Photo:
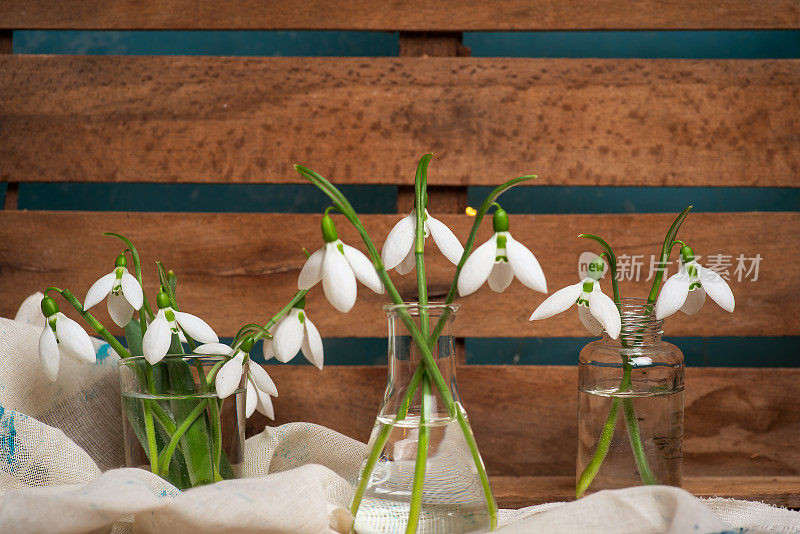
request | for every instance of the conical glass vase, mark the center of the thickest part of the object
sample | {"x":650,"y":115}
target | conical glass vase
{"x":423,"y":472}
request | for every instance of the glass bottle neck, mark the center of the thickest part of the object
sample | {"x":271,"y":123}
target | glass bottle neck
{"x":639,"y":324}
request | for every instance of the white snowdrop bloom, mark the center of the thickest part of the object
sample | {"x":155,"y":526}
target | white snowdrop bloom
{"x":686,"y":291}
{"x":258,"y":384}
{"x":61,"y":336}
{"x":338,"y":266}
{"x":122,"y":289}
{"x":294,"y":333}
{"x":596,"y":310}
{"x":499,"y":260}
{"x":158,"y":337}
{"x":398,"y":250}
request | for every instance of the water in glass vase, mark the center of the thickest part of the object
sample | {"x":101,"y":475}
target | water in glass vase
{"x":452,"y":499}
{"x":659,"y":414}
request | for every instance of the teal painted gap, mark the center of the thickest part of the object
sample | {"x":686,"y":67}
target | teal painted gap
{"x":207,"y":43}
{"x":239,"y":198}
{"x":305,"y":198}
{"x":599,"y":199}
{"x":759,"y":44}
{"x":779,"y":351}
{"x":610,"y":44}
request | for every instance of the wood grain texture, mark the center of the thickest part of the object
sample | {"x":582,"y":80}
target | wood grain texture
{"x":234,"y":269}
{"x":392,"y":16}
{"x":522,"y":491}
{"x":354,"y":120}
{"x":738,"y":422}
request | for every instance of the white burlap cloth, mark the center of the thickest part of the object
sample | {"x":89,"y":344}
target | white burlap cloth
{"x":61,"y":442}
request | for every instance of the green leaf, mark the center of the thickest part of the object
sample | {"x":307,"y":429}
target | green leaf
{"x":133,"y":334}
{"x":669,"y":240}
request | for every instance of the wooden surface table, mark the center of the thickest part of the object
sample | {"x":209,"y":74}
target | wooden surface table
{"x":519,"y":492}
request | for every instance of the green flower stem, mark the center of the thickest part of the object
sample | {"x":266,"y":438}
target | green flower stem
{"x":423,"y":440}
{"x":383,"y":437}
{"x":466,"y":429}
{"x":216,"y":435}
{"x":603,"y":444}
{"x":166,"y":454}
{"x":150,"y":431}
{"x":645,"y":472}
{"x":96,"y":325}
{"x":163,"y":418}
{"x":665,"y":250}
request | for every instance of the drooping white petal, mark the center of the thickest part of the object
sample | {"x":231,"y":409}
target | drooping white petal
{"x":220,"y":349}
{"x":288,"y":337}
{"x":312,"y":345}
{"x":501,"y":276}
{"x":73,"y":341}
{"x":119,"y":309}
{"x":338,"y":280}
{"x":694,"y":301}
{"x":526,"y":266}
{"x":267,"y":348}
{"x":558,"y":302}
{"x":265,"y":404}
{"x":408,"y":263}
{"x":311,"y":273}
{"x":399,"y":241}
{"x":99,"y":290}
{"x":446,"y":240}
{"x":250,"y":399}
{"x":673,"y":294}
{"x":48,"y":353}
{"x":363,"y":268}
{"x":229,"y":376}
{"x":157,"y":339}
{"x":605,"y":311}
{"x":132,"y":290}
{"x":717,"y":289}
{"x":196,"y":328}
{"x":589,"y":321}
{"x":477,"y":267}
{"x":261,"y":379}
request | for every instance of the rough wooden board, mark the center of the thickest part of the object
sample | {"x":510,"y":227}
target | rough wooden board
{"x":234,"y":269}
{"x":738,"y":422}
{"x":392,"y":16}
{"x":355,"y":120}
{"x":522,"y":491}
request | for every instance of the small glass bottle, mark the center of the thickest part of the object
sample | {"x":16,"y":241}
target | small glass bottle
{"x":630,"y":406}
{"x":453,"y":497}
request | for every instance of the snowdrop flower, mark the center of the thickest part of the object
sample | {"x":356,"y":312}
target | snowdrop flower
{"x":500,"y":259}
{"x":61,"y":336}
{"x":686,"y":290}
{"x":293,"y":333}
{"x":158,"y":337}
{"x":258,"y":385}
{"x":398,"y":250}
{"x":338,"y":265}
{"x":596,"y":310}
{"x":122,"y":289}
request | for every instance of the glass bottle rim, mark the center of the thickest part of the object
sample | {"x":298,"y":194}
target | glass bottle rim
{"x":413,"y":308}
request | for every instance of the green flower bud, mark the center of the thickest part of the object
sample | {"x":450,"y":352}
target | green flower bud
{"x":122,"y":261}
{"x":500,"y":220}
{"x":162,"y":300}
{"x":687,"y":253}
{"x":49,"y":306}
{"x":247,"y":344}
{"x":595,"y":268}
{"x":329,"y":233}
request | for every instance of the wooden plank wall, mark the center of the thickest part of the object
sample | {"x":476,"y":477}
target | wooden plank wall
{"x":574,"y":122}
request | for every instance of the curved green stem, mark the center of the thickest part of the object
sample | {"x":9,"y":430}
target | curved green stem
{"x":665,"y":250}
{"x":421,"y":462}
{"x":612,"y":265}
{"x":603,"y":444}
{"x":166,"y":454}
